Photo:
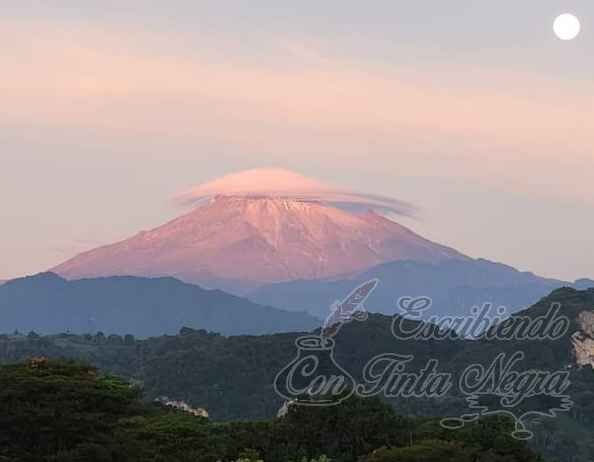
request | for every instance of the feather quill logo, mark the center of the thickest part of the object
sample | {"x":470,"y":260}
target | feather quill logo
{"x":350,"y":309}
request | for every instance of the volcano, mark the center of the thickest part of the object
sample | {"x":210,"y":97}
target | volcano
{"x":239,"y":238}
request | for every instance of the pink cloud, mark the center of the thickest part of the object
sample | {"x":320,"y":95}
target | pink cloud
{"x":275,"y":182}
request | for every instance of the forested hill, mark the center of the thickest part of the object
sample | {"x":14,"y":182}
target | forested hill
{"x":63,"y":412}
{"x":232,"y":377}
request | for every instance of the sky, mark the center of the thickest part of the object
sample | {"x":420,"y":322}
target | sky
{"x":472,"y":111}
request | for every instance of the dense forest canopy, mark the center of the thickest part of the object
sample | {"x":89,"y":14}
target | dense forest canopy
{"x":66,"y":411}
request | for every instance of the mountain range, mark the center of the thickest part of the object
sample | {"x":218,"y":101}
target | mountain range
{"x":47,"y":303}
{"x":294,"y":243}
{"x":454,"y":286}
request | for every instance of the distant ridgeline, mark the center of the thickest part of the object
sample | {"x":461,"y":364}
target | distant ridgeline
{"x":232,"y":377}
{"x":454,"y":286}
{"x":144,"y":307}
{"x":49,"y":304}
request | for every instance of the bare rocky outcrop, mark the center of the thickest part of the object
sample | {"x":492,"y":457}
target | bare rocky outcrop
{"x":583,"y":339}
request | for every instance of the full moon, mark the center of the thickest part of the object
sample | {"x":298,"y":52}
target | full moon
{"x":567,"y":26}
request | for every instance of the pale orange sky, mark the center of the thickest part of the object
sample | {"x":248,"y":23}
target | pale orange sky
{"x":107,"y":113}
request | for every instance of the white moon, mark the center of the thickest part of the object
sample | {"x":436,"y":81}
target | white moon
{"x":567,"y":26}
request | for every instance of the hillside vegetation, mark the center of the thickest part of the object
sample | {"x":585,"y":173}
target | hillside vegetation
{"x":65,"y":411}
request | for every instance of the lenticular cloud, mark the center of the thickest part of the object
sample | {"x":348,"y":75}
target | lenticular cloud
{"x":279,"y":183}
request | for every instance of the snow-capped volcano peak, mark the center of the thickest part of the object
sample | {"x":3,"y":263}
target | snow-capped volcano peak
{"x":240,"y":239}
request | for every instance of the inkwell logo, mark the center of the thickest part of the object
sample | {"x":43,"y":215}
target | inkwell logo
{"x":313,"y":377}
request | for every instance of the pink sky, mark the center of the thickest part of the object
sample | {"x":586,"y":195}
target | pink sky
{"x":104,"y":117}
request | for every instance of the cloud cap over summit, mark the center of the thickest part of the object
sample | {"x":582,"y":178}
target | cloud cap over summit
{"x":285,"y":184}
